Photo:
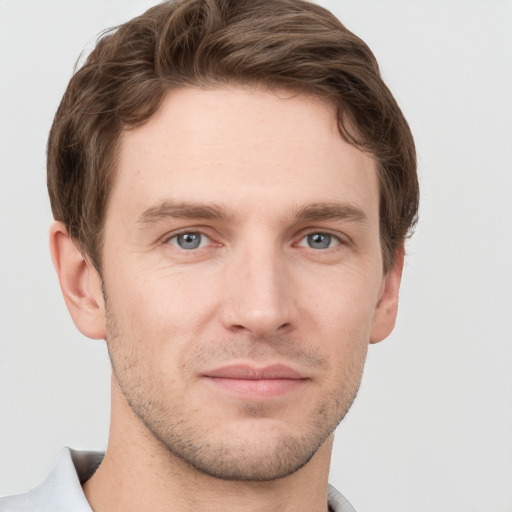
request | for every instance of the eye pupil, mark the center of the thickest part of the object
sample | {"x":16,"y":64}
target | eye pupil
{"x":189,"y":240}
{"x":319,"y":240}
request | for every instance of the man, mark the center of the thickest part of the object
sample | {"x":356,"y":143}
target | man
{"x":232,"y":184}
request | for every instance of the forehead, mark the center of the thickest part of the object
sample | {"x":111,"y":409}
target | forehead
{"x":242,"y":147}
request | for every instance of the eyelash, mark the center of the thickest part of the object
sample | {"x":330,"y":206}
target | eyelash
{"x":332,"y":237}
{"x":175,"y":236}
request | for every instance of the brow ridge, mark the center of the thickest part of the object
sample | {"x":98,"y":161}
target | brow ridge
{"x":183,"y":210}
{"x":321,"y":211}
{"x":332,"y":211}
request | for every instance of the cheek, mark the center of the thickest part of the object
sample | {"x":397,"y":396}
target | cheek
{"x":345,"y":303}
{"x":341,"y":320}
{"x":160,"y":306}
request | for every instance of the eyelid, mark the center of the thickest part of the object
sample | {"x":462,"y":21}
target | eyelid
{"x":166,"y":239}
{"x":205,"y":240}
{"x":339,"y":237}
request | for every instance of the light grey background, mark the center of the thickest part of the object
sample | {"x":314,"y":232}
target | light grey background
{"x":431,"y":430}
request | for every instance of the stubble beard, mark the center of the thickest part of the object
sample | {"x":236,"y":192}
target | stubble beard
{"x":264,"y":457}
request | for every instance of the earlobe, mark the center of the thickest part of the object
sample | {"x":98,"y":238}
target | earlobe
{"x":386,"y":310}
{"x":79,"y":282}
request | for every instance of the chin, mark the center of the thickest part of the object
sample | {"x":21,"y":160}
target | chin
{"x":250,"y":449}
{"x":256,"y":461}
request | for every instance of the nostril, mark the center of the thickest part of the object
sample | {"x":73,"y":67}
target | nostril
{"x":261,"y":309}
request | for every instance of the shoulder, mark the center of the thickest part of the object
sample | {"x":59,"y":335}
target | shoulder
{"x":19,"y":503}
{"x":338,"y":502}
{"x":61,"y":491}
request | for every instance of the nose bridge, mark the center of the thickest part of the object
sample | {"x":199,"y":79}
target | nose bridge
{"x":258,"y":290}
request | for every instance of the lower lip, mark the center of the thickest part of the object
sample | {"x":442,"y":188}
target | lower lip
{"x":259,"y":388}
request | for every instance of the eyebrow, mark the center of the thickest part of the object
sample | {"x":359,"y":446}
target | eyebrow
{"x":182,"y":210}
{"x":332,"y":211}
{"x":188,"y":210}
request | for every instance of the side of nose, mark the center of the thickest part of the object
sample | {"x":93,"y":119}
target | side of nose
{"x":258,"y":294}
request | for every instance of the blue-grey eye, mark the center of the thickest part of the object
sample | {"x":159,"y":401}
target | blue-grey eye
{"x":189,"y":241}
{"x":319,"y":241}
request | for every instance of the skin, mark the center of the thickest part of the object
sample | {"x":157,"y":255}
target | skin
{"x":288,"y":272}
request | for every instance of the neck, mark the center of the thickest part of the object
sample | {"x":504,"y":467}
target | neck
{"x":139,"y":474}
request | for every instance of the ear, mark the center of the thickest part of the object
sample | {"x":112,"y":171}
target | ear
{"x":384,"y":316}
{"x":80,"y":284}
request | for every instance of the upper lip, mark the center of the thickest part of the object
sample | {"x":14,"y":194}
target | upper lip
{"x":248,"y":372}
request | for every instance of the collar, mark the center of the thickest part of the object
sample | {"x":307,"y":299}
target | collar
{"x":61,"y":491}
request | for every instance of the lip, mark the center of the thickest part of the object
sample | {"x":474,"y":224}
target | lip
{"x":248,"y":372}
{"x":250,"y":382}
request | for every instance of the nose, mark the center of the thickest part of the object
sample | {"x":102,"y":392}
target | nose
{"x":258,"y":294}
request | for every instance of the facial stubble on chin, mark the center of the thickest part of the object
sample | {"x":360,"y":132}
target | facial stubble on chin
{"x":183,"y":435}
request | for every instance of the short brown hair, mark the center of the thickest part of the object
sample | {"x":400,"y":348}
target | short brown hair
{"x":209,"y":43}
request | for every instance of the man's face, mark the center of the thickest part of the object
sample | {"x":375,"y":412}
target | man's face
{"x":242,"y":270}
